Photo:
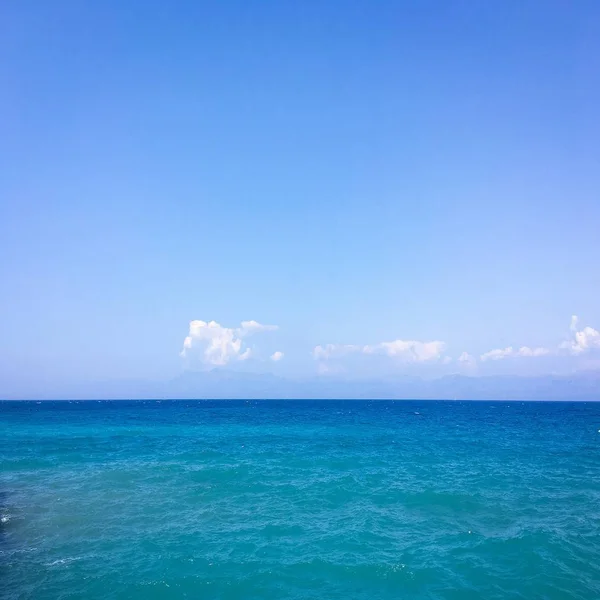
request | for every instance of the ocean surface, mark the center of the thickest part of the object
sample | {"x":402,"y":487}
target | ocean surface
{"x":316,"y":499}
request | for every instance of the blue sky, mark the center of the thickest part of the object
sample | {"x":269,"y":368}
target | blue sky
{"x":352,"y":173}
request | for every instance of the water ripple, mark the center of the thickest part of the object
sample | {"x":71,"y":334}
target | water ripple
{"x":300,"y":500}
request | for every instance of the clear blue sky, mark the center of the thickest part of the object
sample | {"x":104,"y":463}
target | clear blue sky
{"x":352,"y":172}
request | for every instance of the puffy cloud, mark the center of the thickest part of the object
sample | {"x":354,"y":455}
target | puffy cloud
{"x":408,"y":350}
{"x":220,"y":343}
{"x":277,"y":356}
{"x":217,"y":345}
{"x":584,"y":340}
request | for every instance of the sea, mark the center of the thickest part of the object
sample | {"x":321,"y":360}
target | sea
{"x":299,"y":500}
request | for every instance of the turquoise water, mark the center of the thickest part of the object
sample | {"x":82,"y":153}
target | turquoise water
{"x":352,"y":500}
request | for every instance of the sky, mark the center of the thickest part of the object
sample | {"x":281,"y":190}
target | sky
{"x":301,"y":188}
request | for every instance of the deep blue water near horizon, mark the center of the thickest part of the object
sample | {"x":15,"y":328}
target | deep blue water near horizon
{"x":299,"y":500}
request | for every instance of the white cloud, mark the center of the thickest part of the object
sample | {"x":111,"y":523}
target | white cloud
{"x":246,"y":354}
{"x":213,"y":344}
{"x":497,"y":354}
{"x":217,"y":345}
{"x":250,"y":327}
{"x":574,"y":321}
{"x":524,"y":351}
{"x":408,"y":350}
{"x":584,"y":340}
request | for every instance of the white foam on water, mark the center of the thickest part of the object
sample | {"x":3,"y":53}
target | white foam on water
{"x":63,"y":561}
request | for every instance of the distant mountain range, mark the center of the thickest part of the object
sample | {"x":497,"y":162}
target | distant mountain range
{"x":225,"y":384}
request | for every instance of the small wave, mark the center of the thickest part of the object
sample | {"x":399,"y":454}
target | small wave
{"x":4,"y":518}
{"x":63,"y":561}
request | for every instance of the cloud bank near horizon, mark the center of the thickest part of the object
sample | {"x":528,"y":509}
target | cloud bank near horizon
{"x":404,"y":352}
{"x":581,"y":342}
{"x":212,"y":344}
